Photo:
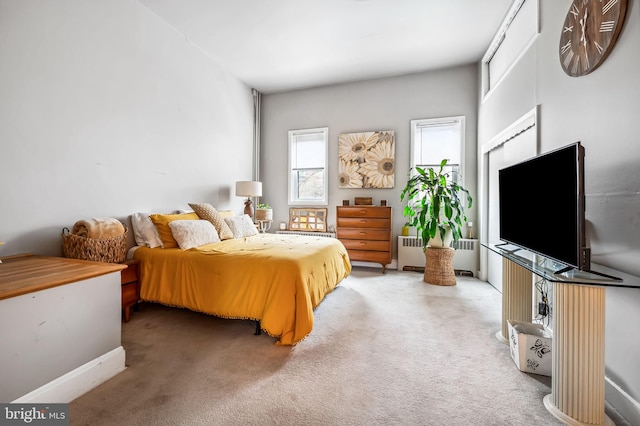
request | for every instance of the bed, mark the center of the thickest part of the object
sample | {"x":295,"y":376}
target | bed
{"x":277,"y":280}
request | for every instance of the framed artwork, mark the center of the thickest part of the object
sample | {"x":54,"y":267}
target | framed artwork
{"x":307,"y":219}
{"x":367,"y":160}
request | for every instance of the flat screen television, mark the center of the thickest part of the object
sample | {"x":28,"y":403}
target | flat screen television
{"x":542,"y":206}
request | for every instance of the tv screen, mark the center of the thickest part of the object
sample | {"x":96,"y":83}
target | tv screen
{"x":542,"y":205}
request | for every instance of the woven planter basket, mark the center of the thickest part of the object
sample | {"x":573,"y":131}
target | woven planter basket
{"x":439,"y":266}
{"x":110,"y":250}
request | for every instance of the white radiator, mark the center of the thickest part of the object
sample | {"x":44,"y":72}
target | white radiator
{"x":411,"y":255}
{"x":311,"y":234}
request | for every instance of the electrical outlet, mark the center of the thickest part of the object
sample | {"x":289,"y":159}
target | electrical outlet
{"x":543,"y":309}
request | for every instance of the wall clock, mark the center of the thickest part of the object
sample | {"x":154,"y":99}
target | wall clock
{"x":589,"y":33}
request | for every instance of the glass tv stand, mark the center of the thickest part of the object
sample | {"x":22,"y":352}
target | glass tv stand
{"x":578,"y":365}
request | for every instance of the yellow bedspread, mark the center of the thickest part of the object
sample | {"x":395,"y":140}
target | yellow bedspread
{"x":276,"y":279}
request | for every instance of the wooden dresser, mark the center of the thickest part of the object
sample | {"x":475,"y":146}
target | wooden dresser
{"x":366,"y":233}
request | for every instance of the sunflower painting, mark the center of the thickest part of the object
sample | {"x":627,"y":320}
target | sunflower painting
{"x":367,"y":160}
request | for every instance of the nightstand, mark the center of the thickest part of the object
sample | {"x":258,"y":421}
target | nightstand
{"x":129,"y":278}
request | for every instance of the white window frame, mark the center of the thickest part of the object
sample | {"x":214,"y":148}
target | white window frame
{"x":417,"y":124}
{"x":514,"y":34}
{"x":293,"y":200}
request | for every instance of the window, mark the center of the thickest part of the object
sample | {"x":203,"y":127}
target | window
{"x":308,"y":166}
{"x":517,"y":32}
{"x":435,"y":139}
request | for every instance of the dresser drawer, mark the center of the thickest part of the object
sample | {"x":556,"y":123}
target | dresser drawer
{"x":384,"y":258}
{"x":129,"y":294}
{"x":367,"y":245}
{"x":352,"y":222}
{"x":367,"y":212}
{"x":363,"y":234}
{"x":130,"y":274}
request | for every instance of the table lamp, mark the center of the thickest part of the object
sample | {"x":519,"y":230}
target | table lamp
{"x":248,"y":188}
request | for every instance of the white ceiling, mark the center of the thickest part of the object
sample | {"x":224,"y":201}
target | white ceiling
{"x":279,"y":45}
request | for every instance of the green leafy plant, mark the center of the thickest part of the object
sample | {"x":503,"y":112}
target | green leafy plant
{"x":263,"y":206}
{"x":434,"y":204}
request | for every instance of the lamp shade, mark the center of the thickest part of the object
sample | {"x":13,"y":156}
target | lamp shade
{"x":248,"y":188}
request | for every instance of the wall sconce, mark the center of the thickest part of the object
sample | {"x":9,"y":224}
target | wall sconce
{"x":248,"y":188}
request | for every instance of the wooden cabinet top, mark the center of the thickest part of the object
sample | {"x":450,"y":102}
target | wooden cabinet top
{"x":25,"y":274}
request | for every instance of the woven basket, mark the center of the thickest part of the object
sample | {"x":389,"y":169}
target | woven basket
{"x":110,"y":250}
{"x":439,"y":266}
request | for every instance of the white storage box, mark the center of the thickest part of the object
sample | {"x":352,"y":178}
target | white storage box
{"x":530,"y":346}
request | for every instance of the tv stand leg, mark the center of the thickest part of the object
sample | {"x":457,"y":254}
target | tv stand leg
{"x":577,"y":380}
{"x":517,"y":296}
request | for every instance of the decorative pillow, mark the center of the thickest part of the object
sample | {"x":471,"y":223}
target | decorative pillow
{"x":144,"y":231}
{"x":207,"y":212}
{"x":193,"y":233}
{"x":225,"y":213}
{"x":161,"y":221}
{"x":241,"y":226}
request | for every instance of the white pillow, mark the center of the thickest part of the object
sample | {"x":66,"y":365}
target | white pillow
{"x":193,"y":233}
{"x":144,"y":231}
{"x":241,"y":226}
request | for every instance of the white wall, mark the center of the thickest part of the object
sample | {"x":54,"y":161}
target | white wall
{"x":381,"y":104}
{"x":601,"y":110}
{"x":104,"y":111}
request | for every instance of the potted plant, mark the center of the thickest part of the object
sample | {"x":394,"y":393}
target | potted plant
{"x":435,"y":209}
{"x":264,"y":212}
{"x":434,"y":206}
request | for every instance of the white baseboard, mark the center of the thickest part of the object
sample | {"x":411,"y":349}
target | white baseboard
{"x":622,"y":402}
{"x":77,"y":382}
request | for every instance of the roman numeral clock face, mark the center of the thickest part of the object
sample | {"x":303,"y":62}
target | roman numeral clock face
{"x":589,"y":33}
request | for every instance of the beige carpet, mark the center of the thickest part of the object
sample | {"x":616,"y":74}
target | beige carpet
{"x":385,"y":350}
